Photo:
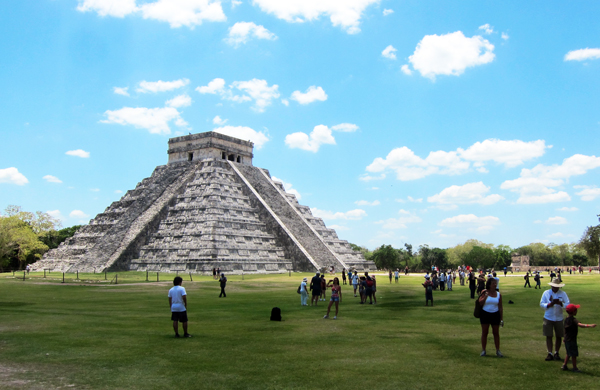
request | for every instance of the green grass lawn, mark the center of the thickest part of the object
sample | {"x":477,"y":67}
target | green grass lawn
{"x":92,"y":334}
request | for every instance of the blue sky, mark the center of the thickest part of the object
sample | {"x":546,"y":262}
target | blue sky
{"x":422,"y":122}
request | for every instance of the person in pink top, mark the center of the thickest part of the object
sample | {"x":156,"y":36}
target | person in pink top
{"x":336,"y":296}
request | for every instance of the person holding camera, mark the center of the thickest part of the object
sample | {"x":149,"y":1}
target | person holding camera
{"x":553,"y":302}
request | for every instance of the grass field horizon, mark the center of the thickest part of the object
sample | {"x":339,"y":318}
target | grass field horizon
{"x":93,"y":334}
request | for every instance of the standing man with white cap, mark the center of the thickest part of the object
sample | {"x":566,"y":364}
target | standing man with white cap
{"x":553,"y":302}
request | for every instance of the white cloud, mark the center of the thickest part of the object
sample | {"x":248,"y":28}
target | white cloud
{"x":189,"y":13}
{"x":410,"y":199}
{"x":52,"y":179}
{"x":486,"y":28}
{"x":368,"y":178}
{"x":55,"y":214}
{"x":406,"y":70}
{"x":161,"y":86}
{"x":240,"y":32}
{"x":13,"y":176}
{"x":214,"y":86}
{"x":288,"y":187}
{"x":466,"y":194}
{"x":155,"y":120}
{"x":235,"y":3}
{"x":400,"y":222}
{"x":78,"y":214}
{"x":582,"y":54}
{"x":177,"y":13}
{"x":346,"y":13}
{"x":320,"y":135}
{"x":338,"y":227}
{"x":78,"y":153}
{"x":389,"y":52}
{"x":218,"y":121}
{"x":450,"y":54}
{"x":95,"y":189}
{"x":510,"y":153}
{"x":121,"y":91}
{"x":505,"y":36}
{"x":387,"y":11}
{"x":179,"y":101}
{"x":245,"y":133}
{"x":348,"y":215}
{"x":367,"y":203}
{"x":556,"y":221}
{"x":589,"y":194}
{"x":116,"y":8}
{"x":568,"y":209}
{"x":537,"y":185}
{"x":118,"y":192}
{"x":408,"y":166}
{"x":345,"y":127}
{"x":257,"y":90}
{"x":470,"y":220}
{"x":312,"y":94}
{"x":285,"y":102}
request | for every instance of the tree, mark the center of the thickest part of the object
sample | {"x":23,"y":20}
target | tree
{"x":38,"y":221}
{"x":18,"y":242}
{"x":386,"y":257}
{"x":480,"y":257}
{"x":54,"y":238}
{"x":590,"y":242}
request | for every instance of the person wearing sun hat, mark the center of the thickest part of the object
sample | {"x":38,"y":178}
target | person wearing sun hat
{"x":553,"y":302}
{"x":572,"y":325}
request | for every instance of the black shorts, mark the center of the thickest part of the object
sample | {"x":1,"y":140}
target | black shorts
{"x":180,"y":316}
{"x":571,"y":347}
{"x":489,"y":318}
{"x":316,"y":293}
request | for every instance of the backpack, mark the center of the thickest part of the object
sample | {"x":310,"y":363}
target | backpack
{"x":429,"y":288}
{"x":276,"y":314}
{"x":299,"y":289}
{"x":369,"y":283}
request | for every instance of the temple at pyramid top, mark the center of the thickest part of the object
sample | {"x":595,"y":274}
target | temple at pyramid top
{"x":201,"y":146}
{"x":208,"y":207}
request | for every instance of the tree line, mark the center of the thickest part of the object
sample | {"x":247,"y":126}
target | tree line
{"x":26,"y":236}
{"x":480,"y":255}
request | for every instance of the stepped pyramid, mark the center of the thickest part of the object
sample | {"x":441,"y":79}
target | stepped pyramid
{"x":208,"y":207}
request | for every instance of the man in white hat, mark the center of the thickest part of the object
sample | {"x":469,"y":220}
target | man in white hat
{"x":553,"y":302}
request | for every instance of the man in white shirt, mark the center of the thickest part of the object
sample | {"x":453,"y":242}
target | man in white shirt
{"x":553,"y":301}
{"x":178,"y":304}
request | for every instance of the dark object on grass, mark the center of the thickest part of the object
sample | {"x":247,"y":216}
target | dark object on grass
{"x":275,"y":314}
{"x":510,"y":302}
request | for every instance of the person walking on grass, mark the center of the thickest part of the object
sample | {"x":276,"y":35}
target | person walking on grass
{"x":390,"y":276}
{"x":315,"y":287}
{"x":355,"y":282}
{"x":526,"y":277}
{"x":428,"y":291}
{"x":472,"y":284}
{"x":178,"y":304}
{"x":538,"y":280}
{"x":572,"y":325}
{"x":323,"y":288}
{"x":344,"y":276}
{"x":553,"y":302}
{"x":491,"y":314}
{"x":336,"y":296}
{"x":374,"y":289}
{"x":223,"y":283}
{"x":303,"y":292}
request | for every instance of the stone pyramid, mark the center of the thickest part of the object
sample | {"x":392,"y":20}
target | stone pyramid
{"x":207,"y":208}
